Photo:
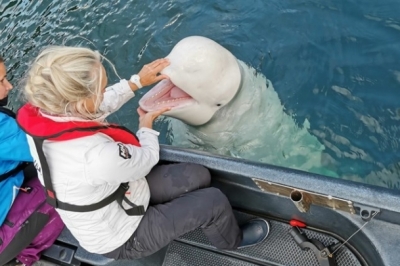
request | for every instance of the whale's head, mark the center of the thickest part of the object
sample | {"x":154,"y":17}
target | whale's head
{"x":204,"y":77}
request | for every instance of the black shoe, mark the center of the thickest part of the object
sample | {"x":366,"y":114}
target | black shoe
{"x":254,"y":232}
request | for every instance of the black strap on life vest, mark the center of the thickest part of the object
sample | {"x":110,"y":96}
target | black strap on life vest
{"x":118,"y":195}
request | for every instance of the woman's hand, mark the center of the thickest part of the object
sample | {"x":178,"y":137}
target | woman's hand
{"x":147,"y":119}
{"x":150,"y":72}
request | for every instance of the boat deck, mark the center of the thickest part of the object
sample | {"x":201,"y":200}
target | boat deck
{"x":195,"y":249}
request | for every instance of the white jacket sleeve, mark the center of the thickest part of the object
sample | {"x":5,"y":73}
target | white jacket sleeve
{"x":115,"y":96}
{"x":114,"y":162}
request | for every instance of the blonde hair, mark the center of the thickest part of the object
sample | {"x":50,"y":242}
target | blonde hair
{"x":61,"y":78}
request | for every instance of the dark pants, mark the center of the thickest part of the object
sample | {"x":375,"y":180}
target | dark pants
{"x":181,"y":201}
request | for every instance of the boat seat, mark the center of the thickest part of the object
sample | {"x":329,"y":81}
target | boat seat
{"x":67,"y":250}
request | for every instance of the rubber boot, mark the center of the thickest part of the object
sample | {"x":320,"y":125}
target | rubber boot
{"x":254,"y":232}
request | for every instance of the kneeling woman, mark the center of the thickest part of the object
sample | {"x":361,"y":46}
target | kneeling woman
{"x":102,"y":178}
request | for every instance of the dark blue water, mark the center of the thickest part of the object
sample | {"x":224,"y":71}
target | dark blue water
{"x":336,"y":63}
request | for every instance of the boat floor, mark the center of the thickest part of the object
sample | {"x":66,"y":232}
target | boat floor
{"x":195,"y":249}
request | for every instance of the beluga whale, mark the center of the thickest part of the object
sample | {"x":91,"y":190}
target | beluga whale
{"x":223,"y":106}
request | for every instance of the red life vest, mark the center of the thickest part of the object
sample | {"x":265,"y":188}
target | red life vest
{"x":36,"y":125}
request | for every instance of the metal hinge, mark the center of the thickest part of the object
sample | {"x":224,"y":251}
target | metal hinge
{"x":366,"y":212}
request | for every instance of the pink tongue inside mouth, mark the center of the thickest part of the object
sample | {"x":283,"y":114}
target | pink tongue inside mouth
{"x":166,"y":95}
{"x":178,"y":93}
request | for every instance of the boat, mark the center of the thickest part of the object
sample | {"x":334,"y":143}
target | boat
{"x":315,"y":220}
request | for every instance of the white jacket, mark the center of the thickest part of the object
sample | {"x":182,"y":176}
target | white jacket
{"x":88,"y":169}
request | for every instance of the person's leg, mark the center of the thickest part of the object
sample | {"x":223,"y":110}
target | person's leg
{"x":167,"y":182}
{"x":206,"y":208}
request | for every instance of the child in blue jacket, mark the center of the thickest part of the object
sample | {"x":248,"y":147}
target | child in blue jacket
{"x":14,"y":149}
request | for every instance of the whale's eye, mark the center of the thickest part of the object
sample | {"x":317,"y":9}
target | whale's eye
{"x":218,"y":104}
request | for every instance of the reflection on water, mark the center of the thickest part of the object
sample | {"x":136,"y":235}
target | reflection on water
{"x":332,"y":63}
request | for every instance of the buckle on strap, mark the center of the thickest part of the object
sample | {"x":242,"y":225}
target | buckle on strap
{"x":125,"y":186}
{"x":50,"y":199}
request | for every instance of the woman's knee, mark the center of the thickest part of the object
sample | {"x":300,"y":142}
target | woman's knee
{"x":215,"y":200}
{"x":200,"y":174}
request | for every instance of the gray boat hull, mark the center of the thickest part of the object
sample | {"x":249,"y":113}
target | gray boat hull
{"x":375,"y":244}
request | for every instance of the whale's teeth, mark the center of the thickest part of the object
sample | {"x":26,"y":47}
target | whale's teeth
{"x":155,"y":95}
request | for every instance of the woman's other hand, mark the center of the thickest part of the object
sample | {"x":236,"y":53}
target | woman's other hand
{"x":147,"y":119}
{"x":150,"y":72}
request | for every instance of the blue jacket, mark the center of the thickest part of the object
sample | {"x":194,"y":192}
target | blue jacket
{"x":14,"y":149}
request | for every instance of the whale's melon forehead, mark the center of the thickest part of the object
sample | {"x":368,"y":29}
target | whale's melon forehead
{"x":198,"y":62}
{"x":195,"y":54}
{"x":196,"y":42}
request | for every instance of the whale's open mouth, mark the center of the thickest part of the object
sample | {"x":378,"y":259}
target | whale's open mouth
{"x":165,"y":94}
